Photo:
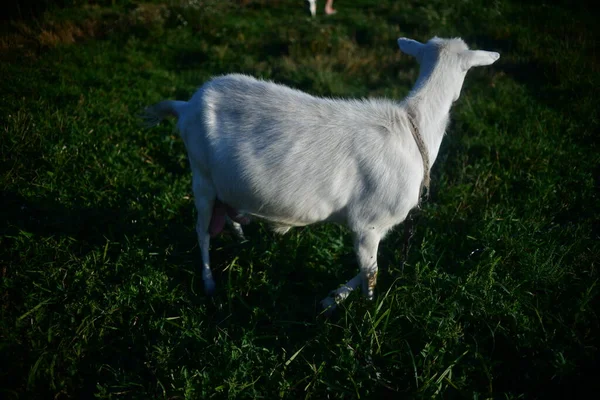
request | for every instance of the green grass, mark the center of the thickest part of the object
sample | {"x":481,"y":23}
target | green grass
{"x":100,"y":288}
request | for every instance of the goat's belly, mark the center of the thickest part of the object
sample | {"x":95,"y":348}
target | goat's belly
{"x":295,"y":214}
{"x":290,"y":190}
{"x":296,"y":219}
{"x":283,"y":209}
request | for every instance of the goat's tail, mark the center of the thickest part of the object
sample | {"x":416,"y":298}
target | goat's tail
{"x":159,"y":111}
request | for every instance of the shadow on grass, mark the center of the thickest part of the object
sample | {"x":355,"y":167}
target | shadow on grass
{"x":47,"y":217}
{"x":549,"y":79}
{"x":276,"y":301}
{"x":291,"y":291}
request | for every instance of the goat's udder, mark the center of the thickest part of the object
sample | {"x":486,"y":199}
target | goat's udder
{"x":217,"y":221}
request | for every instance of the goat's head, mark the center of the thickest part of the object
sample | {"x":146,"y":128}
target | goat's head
{"x":450,"y":57}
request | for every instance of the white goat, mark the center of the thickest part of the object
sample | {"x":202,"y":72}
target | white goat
{"x":292,"y":159}
{"x":312,"y":7}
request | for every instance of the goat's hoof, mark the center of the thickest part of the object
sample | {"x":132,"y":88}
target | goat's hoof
{"x":209,"y":288}
{"x":240,"y":236}
{"x":329,"y":306}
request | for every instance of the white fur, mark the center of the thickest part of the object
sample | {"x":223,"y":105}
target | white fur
{"x":292,"y":159}
{"x":312,"y":6}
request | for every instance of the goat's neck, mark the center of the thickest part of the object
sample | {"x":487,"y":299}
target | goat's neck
{"x":429,"y":105}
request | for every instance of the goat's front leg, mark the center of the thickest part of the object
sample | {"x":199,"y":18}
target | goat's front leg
{"x":365,"y":245}
{"x":337,"y":296}
{"x":204,"y":198}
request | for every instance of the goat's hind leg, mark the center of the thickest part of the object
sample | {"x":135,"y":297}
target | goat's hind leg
{"x":236,"y":220}
{"x":237,"y":228}
{"x":204,"y":198}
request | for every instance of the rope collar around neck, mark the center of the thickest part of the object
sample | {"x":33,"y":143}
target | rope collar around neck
{"x":424,"y":155}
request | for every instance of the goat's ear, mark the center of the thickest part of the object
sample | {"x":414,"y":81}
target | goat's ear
{"x":412,"y":47}
{"x":476,"y":58}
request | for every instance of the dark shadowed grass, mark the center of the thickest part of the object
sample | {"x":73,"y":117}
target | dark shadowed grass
{"x":494,"y":296}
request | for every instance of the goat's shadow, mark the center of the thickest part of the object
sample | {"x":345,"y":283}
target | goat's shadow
{"x":291,"y":298}
{"x":285,"y":313}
